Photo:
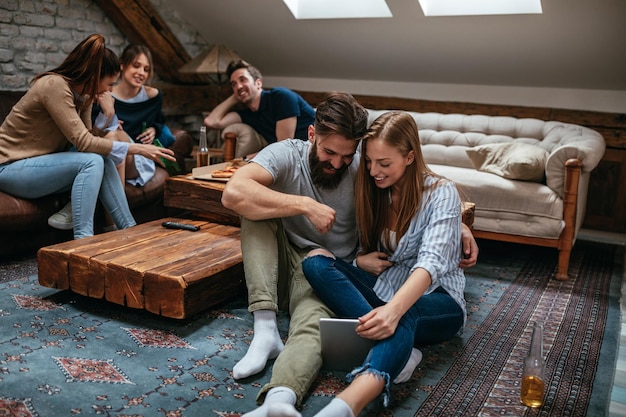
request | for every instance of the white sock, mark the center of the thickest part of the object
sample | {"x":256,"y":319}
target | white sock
{"x":266,"y":344}
{"x":279,"y":402}
{"x":282,"y":410}
{"x":336,"y":408}
{"x":406,"y":372}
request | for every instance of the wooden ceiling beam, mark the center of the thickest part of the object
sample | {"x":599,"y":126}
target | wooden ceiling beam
{"x":141,"y":23}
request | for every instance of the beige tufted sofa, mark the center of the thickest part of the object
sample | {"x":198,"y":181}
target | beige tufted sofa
{"x":546,"y":210}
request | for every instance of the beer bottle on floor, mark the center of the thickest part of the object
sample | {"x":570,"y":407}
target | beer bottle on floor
{"x":534,"y":367}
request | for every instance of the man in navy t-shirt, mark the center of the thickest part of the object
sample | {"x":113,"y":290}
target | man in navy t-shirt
{"x":275,"y":114}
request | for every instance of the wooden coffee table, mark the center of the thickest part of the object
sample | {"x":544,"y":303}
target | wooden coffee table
{"x":200,"y":197}
{"x":173,"y":273}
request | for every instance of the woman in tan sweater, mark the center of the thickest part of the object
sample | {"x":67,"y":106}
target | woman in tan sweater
{"x":53,"y":115}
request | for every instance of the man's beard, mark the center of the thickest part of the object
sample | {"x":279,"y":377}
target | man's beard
{"x":320,"y":178}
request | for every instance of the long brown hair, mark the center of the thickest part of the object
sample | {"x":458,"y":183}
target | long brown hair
{"x":85,"y":65}
{"x":373,"y":209}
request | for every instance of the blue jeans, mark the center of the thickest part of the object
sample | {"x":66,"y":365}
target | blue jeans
{"x":88,"y":176}
{"x":348,"y":292}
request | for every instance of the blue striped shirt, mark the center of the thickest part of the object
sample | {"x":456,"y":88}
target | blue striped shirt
{"x":432,"y":242}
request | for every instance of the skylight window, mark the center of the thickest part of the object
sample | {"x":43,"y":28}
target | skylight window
{"x":479,"y":7}
{"x":355,"y":9}
{"x":338,"y":9}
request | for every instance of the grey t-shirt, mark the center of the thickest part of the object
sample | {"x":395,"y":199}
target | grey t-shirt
{"x":288,"y":163}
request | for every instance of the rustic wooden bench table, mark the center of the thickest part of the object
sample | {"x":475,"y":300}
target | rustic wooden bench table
{"x":201,"y":197}
{"x":173,"y":273}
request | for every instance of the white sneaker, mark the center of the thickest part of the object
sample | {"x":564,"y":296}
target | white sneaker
{"x":409,"y":368}
{"x":63,"y":218}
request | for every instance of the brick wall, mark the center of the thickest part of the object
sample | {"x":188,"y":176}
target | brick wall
{"x":36,"y":35}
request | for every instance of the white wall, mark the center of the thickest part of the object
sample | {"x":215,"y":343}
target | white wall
{"x":590,"y":100}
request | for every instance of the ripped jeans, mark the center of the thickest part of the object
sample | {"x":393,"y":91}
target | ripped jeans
{"x":348,"y":292}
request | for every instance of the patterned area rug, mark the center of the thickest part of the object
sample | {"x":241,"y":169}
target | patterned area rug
{"x":581,"y":322}
{"x":62,"y":354}
{"x":17,"y":267}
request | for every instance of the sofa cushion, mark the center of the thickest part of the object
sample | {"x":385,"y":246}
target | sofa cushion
{"x":22,"y":214}
{"x":504,"y":205}
{"x":513,"y":160}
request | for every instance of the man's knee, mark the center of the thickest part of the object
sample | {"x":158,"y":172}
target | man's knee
{"x":248,"y":140}
{"x":118,"y":135}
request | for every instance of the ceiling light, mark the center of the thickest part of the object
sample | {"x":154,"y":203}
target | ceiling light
{"x":479,"y":7}
{"x":338,"y":9}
